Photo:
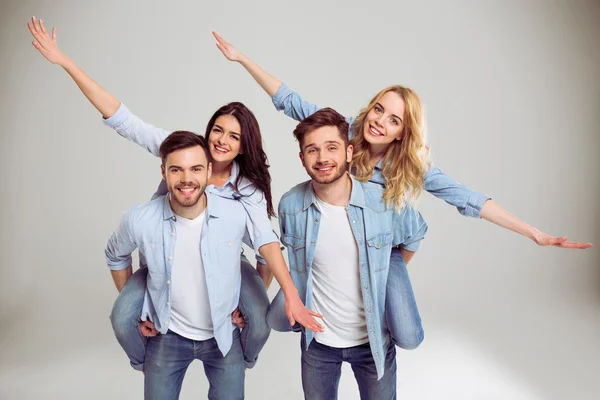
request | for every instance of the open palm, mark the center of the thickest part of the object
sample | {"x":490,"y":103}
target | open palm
{"x":546,"y":240}
{"x":45,"y":44}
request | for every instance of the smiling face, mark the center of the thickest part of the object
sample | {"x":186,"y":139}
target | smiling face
{"x":385,"y":120}
{"x":324,"y":154}
{"x":186,"y":172}
{"x":225,"y":139}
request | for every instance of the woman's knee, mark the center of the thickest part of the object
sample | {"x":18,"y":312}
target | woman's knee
{"x":128,"y":305}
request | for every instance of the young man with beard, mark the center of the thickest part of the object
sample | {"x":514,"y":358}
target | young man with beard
{"x":191,"y":289}
{"x":339,"y":233}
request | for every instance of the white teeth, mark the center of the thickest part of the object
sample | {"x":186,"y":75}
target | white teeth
{"x":375,"y":131}
{"x":220,"y":149}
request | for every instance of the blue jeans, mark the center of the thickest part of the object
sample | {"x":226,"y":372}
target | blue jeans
{"x":254,"y":304}
{"x":401,"y":312}
{"x":168,"y":357}
{"x":322,"y":368}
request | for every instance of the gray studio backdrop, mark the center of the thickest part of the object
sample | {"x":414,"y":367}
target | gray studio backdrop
{"x":512,"y":94}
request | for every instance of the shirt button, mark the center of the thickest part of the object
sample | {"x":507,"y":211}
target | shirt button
{"x":353,"y":221}
{"x":168,"y":282}
{"x":167,"y":323}
{"x":312,"y":242}
{"x":153,"y":245}
{"x":173,"y":218}
{"x":172,"y":233}
{"x":170,"y":258}
{"x":167,"y":303}
{"x":229,"y":244}
{"x":316,"y":219}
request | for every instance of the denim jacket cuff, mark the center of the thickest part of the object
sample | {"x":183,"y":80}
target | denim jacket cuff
{"x":475,"y":204}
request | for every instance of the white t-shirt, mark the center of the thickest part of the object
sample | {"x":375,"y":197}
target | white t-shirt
{"x":336,"y":281}
{"x":190,"y":307}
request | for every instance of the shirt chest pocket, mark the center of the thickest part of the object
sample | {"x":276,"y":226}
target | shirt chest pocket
{"x":296,"y":252}
{"x":152,"y":255}
{"x":379,"y":247}
{"x":228,"y":256}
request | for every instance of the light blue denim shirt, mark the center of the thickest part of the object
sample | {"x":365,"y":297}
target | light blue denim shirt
{"x":151,"y":228}
{"x":150,"y":138}
{"x":376,"y":228}
{"x":467,"y":201}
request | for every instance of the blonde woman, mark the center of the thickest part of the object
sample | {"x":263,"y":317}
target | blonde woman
{"x":390,"y":149}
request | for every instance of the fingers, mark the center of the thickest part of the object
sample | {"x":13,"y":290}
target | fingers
{"x":574,"y":245}
{"x":36,"y":30}
{"x":34,"y":33}
{"x":34,"y":25}
{"x":148,"y":329}
{"x":38,"y":27}
{"x":219,"y":38}
{"x":43,"y":28}
{"x":291,"y":319}
{"x":312,"y":324}
{"x":145,"y":330}
{"x":307,"y":321}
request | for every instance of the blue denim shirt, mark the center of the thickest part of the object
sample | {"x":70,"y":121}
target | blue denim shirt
{"x":467,"y":201}
{"x":150,"y":137}
{"x":376,"y":228}
{"x":151,"y":228}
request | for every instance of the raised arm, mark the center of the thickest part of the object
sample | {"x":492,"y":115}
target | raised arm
{"x":473,"y":204}
{"x":116,"y":115}
{"x":283,"y":97}
{"x":268,"y":82}
{"x":493,"y":213}
{"x":104,"y":102}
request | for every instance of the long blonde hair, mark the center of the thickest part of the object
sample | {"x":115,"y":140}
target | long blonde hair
{"x":406,"y":160}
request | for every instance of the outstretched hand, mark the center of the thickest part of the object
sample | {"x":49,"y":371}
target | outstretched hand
{"x":230,"y":52}
{"x":297,"y":312}
{"x":543,"y":239}
{"x":45,"y":44}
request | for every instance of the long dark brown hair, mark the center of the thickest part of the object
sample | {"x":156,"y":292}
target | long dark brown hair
{"x":253,"y":161}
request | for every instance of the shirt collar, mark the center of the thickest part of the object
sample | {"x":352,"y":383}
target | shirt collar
{"x":357,"y":195}
{"x":213,"y":208}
